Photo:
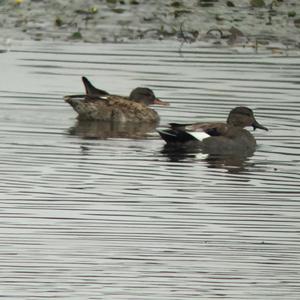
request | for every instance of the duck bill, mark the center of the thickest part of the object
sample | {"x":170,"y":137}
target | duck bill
{"x":160,"y":102}
{"x":255,"y":125}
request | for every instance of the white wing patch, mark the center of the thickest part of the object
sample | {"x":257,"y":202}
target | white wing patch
{"x":199,"y":135}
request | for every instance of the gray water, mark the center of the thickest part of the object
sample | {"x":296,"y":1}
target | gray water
{"x":91,"y":214}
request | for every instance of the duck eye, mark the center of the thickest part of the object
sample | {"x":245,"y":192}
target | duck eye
{"x":148,"y":94}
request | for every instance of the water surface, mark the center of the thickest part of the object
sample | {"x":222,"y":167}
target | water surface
{"x":98,"y":216}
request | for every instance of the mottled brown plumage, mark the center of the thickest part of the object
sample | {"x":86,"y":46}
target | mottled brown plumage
{"x":99,"y":105}
{"x":111,"y":108}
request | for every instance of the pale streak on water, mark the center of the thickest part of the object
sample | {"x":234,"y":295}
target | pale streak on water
{"x":118,"y":219}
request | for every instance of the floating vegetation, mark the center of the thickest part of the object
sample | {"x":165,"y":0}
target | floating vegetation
{"x":91,"y":11}
{"x":76,"y":35}
{"x":291,"y":14}
{"x":178,"y":13}
{"x":118,"y":20}
{"x":118,"y":10}
{"x":58,"y":22}
{"x":297,"y":23}
{"x":230,"y":4}
{"x":176,"y":4}
{"x":111,"y":1}
{"x":207,"y":3}
{"x":257,"y":3}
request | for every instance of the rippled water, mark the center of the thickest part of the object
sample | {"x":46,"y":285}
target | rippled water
{"x":97,"y":215}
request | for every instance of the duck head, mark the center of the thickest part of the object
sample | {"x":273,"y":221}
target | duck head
{"x":242,"y":117}
{"x":146,"y":96}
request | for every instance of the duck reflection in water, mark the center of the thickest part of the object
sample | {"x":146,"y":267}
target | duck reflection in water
{"x":234,"y":163}
{"x":105,"y":130}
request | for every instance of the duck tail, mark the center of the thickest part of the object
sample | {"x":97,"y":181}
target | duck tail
{"x":74,"y":100}
{"x":91,"y":90}
{"x":167,"y":135}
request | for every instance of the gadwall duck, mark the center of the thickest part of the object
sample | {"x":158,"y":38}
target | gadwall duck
{"x":99,"y":105}
{"x":217,"y":138}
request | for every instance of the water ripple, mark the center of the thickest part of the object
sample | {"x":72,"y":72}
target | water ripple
{"x":87,"y":216}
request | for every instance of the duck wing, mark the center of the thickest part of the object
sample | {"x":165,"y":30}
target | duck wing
{"x":212,"y":129}
{"x":182,"y":133}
